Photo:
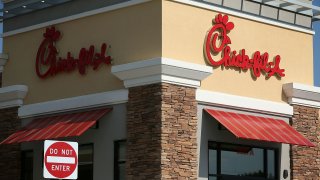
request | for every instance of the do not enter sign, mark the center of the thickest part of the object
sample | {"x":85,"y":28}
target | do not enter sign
{"x":60,"y":160}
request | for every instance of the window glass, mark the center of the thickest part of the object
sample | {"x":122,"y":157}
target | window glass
{"x":122,"y":171}
{"x":271,"y":161}
{"x":228,"y":161}
{"x":122,"y":151}
{"x":212,"y":178}
{"x":85,"y":172}
{"x":85,"y":154}
{"x":120,"y":160}
{"x":212,"y":161}
{"x":85,"y":168}
{"x":242,"y":162}
{"x":27,"y":165}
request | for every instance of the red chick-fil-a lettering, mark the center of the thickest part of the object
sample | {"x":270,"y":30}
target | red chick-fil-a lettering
{"x":217,"y":41}
{"x":48,"y":63}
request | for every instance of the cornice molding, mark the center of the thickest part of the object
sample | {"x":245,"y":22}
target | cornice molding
{"x":245,"y":16}
{"x":74,"y":17}
{"x":12,"y":96}
{"x":159,"y":70}
{"x":74,"y":103}
{"x":243,"y":103}
{"x":301,"y":94}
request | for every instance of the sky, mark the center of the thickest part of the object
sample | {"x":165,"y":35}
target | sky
{"x":316,"y":49}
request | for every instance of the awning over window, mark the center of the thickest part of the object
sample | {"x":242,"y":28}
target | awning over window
{"x":65,"y":125}
{"x":259,"y":128}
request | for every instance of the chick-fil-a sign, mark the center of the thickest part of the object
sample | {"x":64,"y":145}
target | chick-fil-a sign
{"x":217,"y":42}
{"x":49,"y":64}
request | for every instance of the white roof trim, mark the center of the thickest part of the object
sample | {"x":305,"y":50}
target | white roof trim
{"x":246,"y":16}
{"x":74,"y":103}
{"x":302,"y":4}
{"x":296,"y":4}
{"x":74,"y":17}
{"x":131,"y":3}
{"x":243,"y":103}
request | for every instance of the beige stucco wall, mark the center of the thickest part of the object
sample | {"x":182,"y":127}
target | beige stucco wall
{"x":184,"y":30}
{"x":133,"y":32}
{"x":154,"y":29}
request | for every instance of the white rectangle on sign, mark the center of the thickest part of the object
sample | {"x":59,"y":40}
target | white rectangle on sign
{"x":65,"y":160}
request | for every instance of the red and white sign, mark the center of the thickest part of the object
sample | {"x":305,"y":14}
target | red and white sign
{"x":60,"y":160}
{"x":48,"y":62}
{"x":217,"y":43}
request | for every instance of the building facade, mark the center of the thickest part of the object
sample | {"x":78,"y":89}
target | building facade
{"x":161,"y":89}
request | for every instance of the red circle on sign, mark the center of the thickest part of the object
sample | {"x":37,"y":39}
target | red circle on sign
{"x":60,"y":159}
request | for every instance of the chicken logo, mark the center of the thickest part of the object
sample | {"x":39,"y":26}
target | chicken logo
{"x":217,"y":42}
{"x":49,"y":64}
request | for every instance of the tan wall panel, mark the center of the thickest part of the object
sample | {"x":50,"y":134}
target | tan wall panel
{"x":184,"y":30}
{"x":133,"y":32}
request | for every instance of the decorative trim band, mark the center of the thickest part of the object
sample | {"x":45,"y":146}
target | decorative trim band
{"x":246,"y":16}
{"x":12,"y":96}
{"x":74,"y":103}
{"x":131,"y":3}
{"x":161,"y":69}
{"x":74,"y":17}
{"x":300,"y":94}
{"x":243,"y":103}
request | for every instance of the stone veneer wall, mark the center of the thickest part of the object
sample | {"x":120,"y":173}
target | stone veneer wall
{"x":305,"y":161}
{"x":0,"y":79}
{"x":10,"y":155}
{"x":161,"y":132}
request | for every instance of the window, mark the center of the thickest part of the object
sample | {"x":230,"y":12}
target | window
{"x":119,"y":160}
{"x":27,"y":165}
{"x":238,"y":162}
{"x":85,"y":168}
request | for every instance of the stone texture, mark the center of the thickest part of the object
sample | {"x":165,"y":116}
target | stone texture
{"x":10,"y":155}
{"x":161,"y":132}
{"x":0,"y":79}
{"x":305,"y":161}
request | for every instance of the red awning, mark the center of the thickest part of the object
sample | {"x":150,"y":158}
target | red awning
{"x":259,"y":128}
{"x":66,"y":125}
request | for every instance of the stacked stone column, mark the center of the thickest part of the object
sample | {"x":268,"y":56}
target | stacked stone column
{"x":305,"y":161}
{"x":10,"y":155}
{"x":161,"y":132}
